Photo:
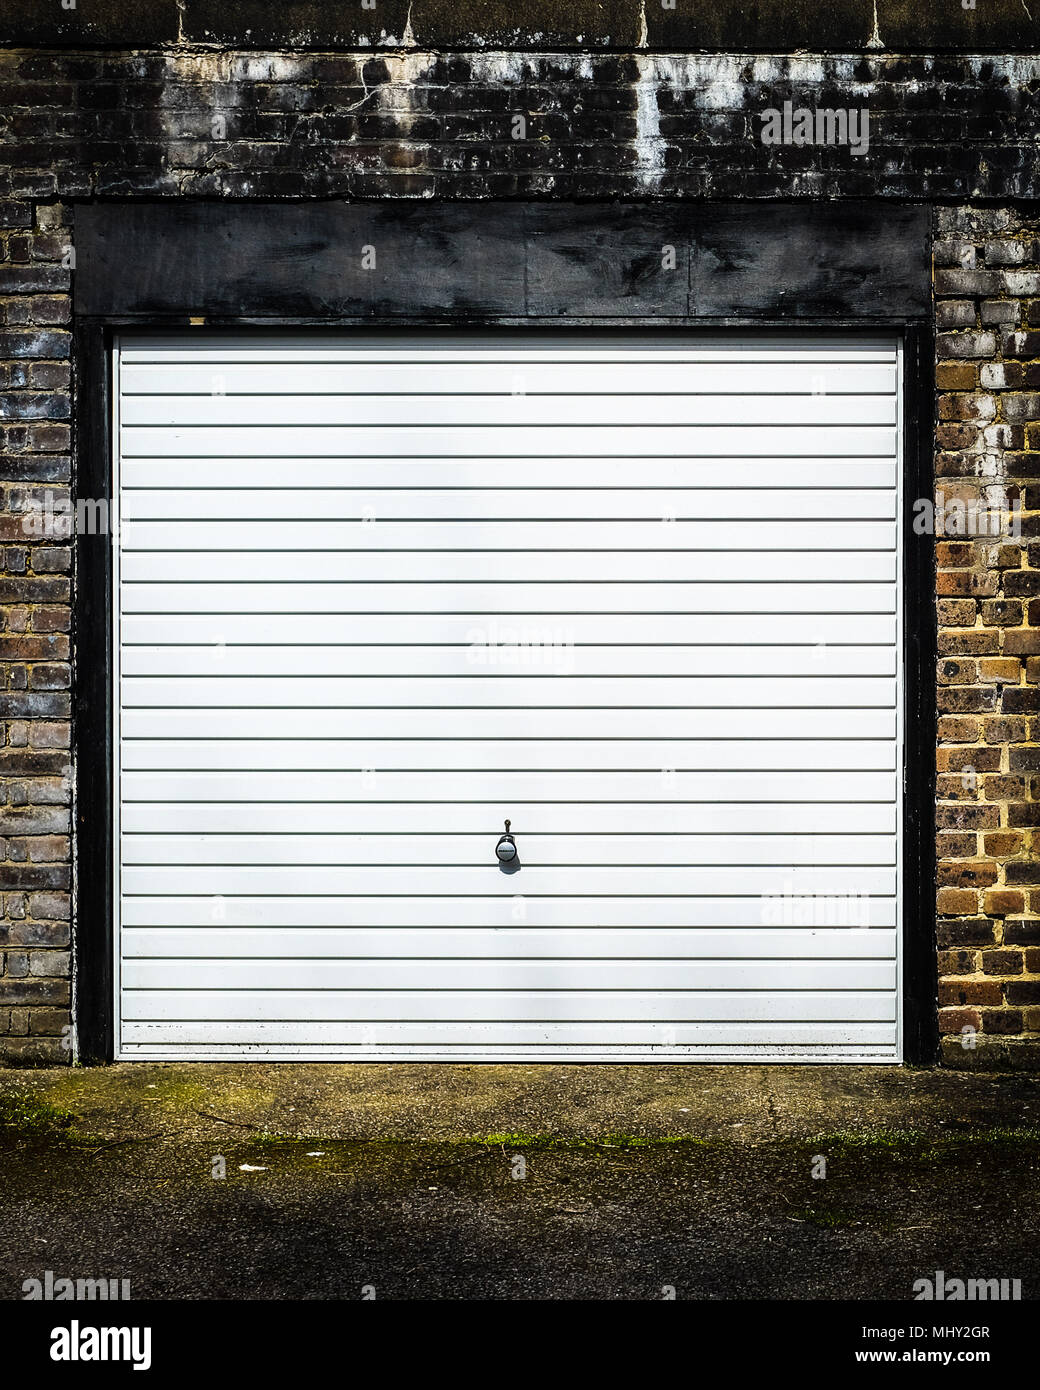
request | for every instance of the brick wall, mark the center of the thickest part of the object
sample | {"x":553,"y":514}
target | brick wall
{"x":35,"y":782}
{"x":423,"y":124}
{"x":958,"y":130}
{"x":987,"y":308}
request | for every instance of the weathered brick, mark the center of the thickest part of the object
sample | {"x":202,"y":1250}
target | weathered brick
{"x":1024,"y":931}
{"x":34,"y":820}
{"x":956,"y":844}
{"x":954,"y":554}
{"x":1004,"y":669}
{"x":34,"y":934}
{"x":956,"y":1020}
{"x":965,"y":931}
{"x":1008,"y":557}
{"x":962,"y":700}
{"x":1019,"y":992}
{"x":1022,"y":871}
{"x":999,"y":902}
{"x":1004,"y":788}
{"x":34,"y":990}
{"x":955,"y":612}
{"x":958,"y":901}
{"x":973,"y":874}
{"x":955,"y":730}
{"x":978,"y":642}
{"x":1001,"y":1021}
{"x":995,"y":313}
{"x":960,"y":786}
{"x":50,"y":905}
{"x":958,"y":376}
{"x":956,"y":313}
{"x":988,"y":993}
{"x":47,"y":1022}
{"x":975,"y":405}
{"x":1023,"y":643}
{"x":958,"y":345}
{"x":48,"y":963}
{"x":31,"y":1051}
{"x":1001,"y":613}
{"x":967,"y":818}
{"x":1004,"y":730}
{"x":968,"y":760}
{"x":958,"y":672}
{"x":1009,"y":251}
{"x":1001,"y":844}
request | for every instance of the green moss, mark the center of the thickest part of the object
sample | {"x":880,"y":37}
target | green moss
{"x":562,"y":1141}
{"x":913,"y":1145}
{"x":1003,"y":1135}
{"x":177,"y":1093}
{"x":873,"y":1141}
{"x":25,"y":1117}
{"x":511,"y":1140}
{"x":265,"y":1140}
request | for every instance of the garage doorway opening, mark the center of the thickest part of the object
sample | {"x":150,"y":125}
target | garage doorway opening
{"x":642,"y":595}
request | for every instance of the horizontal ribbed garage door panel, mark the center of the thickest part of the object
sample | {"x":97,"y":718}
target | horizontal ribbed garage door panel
{"x":640,"y":595}
{"x":505,"y":910}
{"x":627,"y":976}
{"x":373,"y":508}
{"x":523,"y":1005}
{"x":585,"y":439}
{"x":681,"y":820}
{"x":559,"y":849}
{"x":498,"y":691}
{"x":484,"y":754}
{"x":748,"y":1040}
{"x":325,"y":565}
{"x":348,"y":474}
{"x":658,"y":785}
{"x":513,"y":412}
{"x":469,"y":630}
{"x":237,"y":944}
{"x":840,"y":533}
{"x":512,"y":724}
{"x":543,"y":661}
{"x":411,"y":377}
{"x":503,"y":598}
{"x":295,"y":881}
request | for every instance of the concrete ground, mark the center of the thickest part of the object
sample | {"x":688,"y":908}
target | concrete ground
{"x":518,"y":1182}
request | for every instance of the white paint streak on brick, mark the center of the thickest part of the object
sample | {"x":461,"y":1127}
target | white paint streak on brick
{"x":408,"y":72}
{"x":648,"y":143}
{"x":875,"y":40}
{"x":517,"y":68}
{"x":717,"y":78}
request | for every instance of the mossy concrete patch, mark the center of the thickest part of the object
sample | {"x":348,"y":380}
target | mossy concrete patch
{"x":449,"y":1102}
{"x":24,"y":1116}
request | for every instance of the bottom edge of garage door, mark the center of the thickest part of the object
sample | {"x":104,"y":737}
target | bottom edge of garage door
{"x":158,"y":1053}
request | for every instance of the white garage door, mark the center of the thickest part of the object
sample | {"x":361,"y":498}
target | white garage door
{"x":639,"y":595}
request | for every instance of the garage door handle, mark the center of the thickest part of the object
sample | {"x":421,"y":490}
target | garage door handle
{"x":506,"y":848}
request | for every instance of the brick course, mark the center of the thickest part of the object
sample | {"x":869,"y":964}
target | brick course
{"x":959,"y":131}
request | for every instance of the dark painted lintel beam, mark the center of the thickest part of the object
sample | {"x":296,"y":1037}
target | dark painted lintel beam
{"x":472,"y":262}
